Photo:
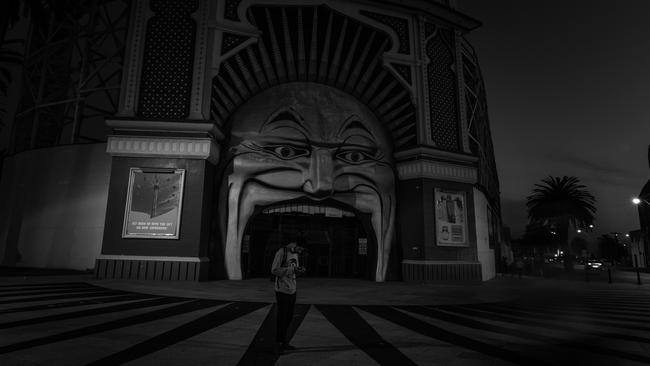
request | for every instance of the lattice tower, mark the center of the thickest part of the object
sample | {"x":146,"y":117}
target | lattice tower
{"x":72,"y":73}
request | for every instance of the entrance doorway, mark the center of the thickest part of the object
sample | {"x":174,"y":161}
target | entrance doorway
{"x":336,"y":239}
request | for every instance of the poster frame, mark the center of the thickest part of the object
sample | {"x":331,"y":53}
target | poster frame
{"x":440,"y":221}
{"x":129,"y":197}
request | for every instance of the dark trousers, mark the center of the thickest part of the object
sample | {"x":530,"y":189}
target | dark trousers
{"x":285,"y":305}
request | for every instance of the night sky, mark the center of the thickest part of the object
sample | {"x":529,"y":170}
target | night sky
{"x":568,"y":89}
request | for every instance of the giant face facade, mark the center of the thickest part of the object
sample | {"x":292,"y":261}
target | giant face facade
{"x":306,"y":141}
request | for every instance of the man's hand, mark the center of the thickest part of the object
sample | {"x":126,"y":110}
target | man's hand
{"x":300,"y":270}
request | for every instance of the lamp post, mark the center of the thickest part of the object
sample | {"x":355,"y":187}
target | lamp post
{"x":632,"y":250}
{"x":643,"y":205}
{"x":615,"y":252}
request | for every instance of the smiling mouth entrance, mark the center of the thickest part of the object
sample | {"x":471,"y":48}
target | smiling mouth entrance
{"x":339,"y":241}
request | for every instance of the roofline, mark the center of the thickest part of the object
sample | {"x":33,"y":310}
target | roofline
{"x":433,"y":9}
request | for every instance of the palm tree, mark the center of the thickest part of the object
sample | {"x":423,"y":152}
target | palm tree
{"x":560,"y":203}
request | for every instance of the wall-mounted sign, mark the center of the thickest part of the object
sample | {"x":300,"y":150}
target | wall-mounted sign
{"x":363,"y":246}
{"x":153,"y":203}
{"x":451,"y":218}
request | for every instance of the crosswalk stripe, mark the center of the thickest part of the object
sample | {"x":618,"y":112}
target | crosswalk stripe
{"x":442,"y":334}
{"x":50,"y":284}
{"x":473,"y":323}
{"x":28,"y":289}
{"x":94,"y":300}
{"x":62,"y":297}
{"x":53,"y":291}
{"x":211,"y":320}
{"x":594,"y":327}
{"x":362,"y":335}
{"x":261,"y":351}
{"x":120,"y":323}
{"x":90,"y":312}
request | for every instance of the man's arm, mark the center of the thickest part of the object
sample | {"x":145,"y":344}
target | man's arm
{"x":276,"y":267}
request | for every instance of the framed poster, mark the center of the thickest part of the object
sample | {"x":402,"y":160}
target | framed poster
{"x":153,"y":203}
{"x":451,"y":218}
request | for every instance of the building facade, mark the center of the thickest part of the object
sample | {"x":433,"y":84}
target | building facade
{"x":642,"y":236}
{"x":357,"y":128}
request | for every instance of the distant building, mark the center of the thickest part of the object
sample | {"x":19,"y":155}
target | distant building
{"x":188,"y":139}
{"x":638,"y":249}
{"x":644,"y":216}
{"x":505,"y":250}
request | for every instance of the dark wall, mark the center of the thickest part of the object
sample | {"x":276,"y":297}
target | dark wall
{"x":195,"y":216}
{"x":53,"y":206}
{"x":410,"y":220}
{"x":417,"y":225}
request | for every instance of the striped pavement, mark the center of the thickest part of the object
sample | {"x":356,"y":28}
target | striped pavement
{"x":79,"y":323}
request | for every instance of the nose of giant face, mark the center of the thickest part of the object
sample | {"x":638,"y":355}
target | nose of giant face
{"x":318,"y":181}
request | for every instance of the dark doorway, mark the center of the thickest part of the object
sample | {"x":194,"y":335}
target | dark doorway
{"x":336,"y":240}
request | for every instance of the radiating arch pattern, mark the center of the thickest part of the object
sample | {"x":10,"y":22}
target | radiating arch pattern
{"x":316,"y":44}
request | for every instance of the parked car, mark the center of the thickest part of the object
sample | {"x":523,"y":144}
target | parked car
{"x":584,"y":263}
{"x":595,"y":264}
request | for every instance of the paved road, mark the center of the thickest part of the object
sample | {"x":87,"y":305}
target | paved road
{"x":541,"y":322}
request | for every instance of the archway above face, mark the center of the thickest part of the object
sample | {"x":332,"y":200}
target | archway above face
{"x":306,"y":140}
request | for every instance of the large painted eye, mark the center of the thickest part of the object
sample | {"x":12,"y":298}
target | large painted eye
{"x":286,"y":152}
{"x":353,"y":156}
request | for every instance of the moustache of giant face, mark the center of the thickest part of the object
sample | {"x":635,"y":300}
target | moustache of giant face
{"x":328,"y":147}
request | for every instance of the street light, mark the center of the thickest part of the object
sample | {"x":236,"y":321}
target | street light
{"x":639,"y":200}
{"x":642,"y":203}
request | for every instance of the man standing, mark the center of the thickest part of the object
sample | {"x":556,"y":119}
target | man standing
{"x":285,"y":267}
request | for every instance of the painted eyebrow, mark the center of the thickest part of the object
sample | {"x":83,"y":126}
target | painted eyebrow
{"x":353,"y":123}
{"x":280,"y":118}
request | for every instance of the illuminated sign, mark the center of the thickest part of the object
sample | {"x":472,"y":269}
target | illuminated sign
{"x":153,"y":203}
{"x":451,"y":218}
